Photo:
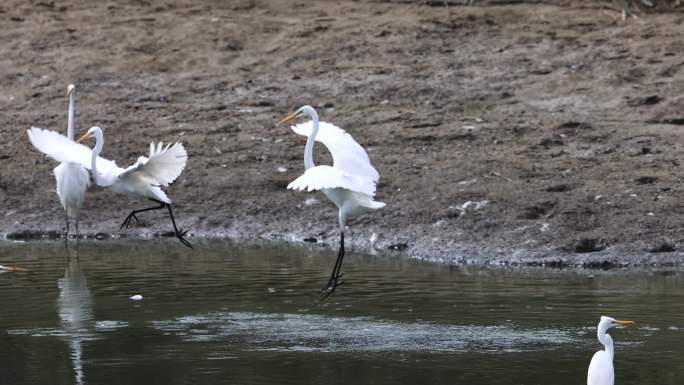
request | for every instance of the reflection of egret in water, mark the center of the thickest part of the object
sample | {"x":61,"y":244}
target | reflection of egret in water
{"x":75,"y":306}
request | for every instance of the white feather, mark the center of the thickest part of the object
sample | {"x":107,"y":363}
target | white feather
{"x":71,"y":178}
{"x":61,"y":149}
{"x":350,"y":183}
{"x":164,"y":165}
{"x":72,"y":181}
{"x":327,"y":177}
{"x":144,"y":178}
{"x":347,"y":154}
{"x":601,"y":370}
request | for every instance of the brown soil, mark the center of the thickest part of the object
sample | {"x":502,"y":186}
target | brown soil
{"x":561,"y":120}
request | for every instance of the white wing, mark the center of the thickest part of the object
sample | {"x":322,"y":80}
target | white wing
{"x":61,"y":149}
{"x":347,"y":155}
{"x":163,"y":166}
{"x":327,"y":177}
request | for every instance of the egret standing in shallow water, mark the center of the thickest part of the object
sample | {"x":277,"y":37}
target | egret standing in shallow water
{"x":349,"y":183}
{"x":601,"y":370}
{"x":71,"y":177}
{"x":143,"y":179}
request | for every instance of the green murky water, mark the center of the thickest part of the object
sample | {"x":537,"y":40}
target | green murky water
{"x":225,"y":314}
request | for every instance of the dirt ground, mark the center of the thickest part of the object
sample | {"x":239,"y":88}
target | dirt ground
{"x":504,"y":132}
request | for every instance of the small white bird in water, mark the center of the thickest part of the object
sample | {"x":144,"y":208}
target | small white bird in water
{"x":601,"y":370}
{"x":143,"y":179}
{"x":349,"y":183}
{"x":10,"y":269}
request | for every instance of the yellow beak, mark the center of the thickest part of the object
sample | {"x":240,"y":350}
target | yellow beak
{"x":83,"y":137}
{"x":624,"y":323}
{"x":290,"y":117}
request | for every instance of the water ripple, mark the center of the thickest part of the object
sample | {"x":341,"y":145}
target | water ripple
{"x":317,"y":333}
{"x":82,"y":333}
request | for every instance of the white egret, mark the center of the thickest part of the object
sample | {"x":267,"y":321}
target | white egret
{"x":72,"y":178}
{"x":143,"y":179}
{"x":601,"y":370}
{"x":349,"y":183}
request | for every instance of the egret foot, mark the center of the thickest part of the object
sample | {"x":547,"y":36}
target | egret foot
{"x":181,"y":237}
{"x":179,"y":234}
{"x":127,"y":222}
{"x":330,"y":287}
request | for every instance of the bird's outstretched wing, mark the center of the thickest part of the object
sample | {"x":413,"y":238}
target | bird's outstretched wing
{"x":164,"y":165}
{"x":347,"y":155}
{"x":324,"y":177}
{"x":61,"y":149}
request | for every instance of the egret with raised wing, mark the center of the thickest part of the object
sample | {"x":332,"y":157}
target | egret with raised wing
{"x":601,"y":371}
{"x":71,"y":177}
{"x":144,"y":179}
{"x":349,"y":183}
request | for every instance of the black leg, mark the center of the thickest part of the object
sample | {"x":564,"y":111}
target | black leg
{"x":66,"y":230}
{"x":179,"y":234}
{"x":78,"y":236}
{"x":127,"y":221}
{"x":334,"y":280}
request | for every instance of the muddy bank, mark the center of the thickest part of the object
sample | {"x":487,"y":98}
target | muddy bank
{"x":502,"y":132}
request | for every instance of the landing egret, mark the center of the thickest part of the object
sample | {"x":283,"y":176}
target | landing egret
{"x":72,"y":178}
{"x":143,"y":179}
{"x":349,"y":183}
{"x":601,"y":370}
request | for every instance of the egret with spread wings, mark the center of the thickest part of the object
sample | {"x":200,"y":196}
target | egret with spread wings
{"x":144,"y":179}
{"x":601,"y":371}
{"x":349,"y":183}
{"x":71,"y":177}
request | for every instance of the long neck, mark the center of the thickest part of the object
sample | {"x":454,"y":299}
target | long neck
{"x":308,"y":150}
{"x":70,"y":117}
{"x":607,"y":341}
{"x":99,"y":143}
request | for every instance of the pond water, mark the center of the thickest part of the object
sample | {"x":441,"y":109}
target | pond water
{"x":230,"y":314}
